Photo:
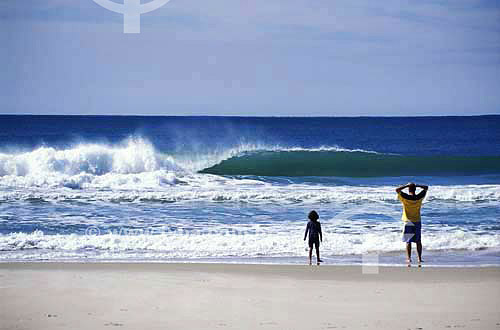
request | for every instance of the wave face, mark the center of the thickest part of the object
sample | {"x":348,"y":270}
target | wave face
{"x":351,"y":164}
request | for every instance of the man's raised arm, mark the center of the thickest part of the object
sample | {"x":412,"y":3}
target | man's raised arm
{"x":398,"y":190}
{"x":424,"y":187}
{"x":423,"y":192}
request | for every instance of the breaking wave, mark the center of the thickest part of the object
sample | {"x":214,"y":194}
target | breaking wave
{"x":136,"y":164}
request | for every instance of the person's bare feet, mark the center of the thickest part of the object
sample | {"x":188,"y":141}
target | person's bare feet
{"x":408,"y":262}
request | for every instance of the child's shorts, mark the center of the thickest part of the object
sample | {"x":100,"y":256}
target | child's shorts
{"x":314,"y":241}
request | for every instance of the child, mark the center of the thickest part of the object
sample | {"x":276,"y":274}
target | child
{"x":315,"y":235}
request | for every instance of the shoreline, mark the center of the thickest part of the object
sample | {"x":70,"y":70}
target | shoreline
{"x":197,"y":263}
{"x":432,"y":259}
{"x":243,"y":263}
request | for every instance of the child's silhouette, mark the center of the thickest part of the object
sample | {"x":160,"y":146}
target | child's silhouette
{"x":315,"y":235}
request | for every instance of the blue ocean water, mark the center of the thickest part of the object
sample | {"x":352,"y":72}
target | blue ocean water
{"x":238,"y":189}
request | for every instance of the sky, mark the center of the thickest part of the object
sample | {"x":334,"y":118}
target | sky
{"x":252,"y":58}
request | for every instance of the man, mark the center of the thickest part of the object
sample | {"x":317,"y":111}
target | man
{"x":411,"y":217}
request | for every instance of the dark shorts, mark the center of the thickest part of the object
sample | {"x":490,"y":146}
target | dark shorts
{"x":313,"y":241}
{"x":412,"y":232}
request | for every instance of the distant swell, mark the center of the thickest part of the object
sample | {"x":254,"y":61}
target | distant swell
{"x":351,"y":164}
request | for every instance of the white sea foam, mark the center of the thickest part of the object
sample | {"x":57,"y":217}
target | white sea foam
{"x":161,"y":186}
{"x":322,"y":148}
{"x":213,"y":245}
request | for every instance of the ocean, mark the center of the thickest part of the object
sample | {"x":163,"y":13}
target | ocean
{"x":238,"y":189}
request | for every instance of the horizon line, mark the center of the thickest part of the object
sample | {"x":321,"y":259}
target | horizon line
{"x":245,"y":116}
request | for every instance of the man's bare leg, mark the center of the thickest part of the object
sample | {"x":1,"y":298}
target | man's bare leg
{"x":408,"y":254}
{"x":419,"y":252}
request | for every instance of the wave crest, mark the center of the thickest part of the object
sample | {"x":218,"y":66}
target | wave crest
{"x":135,"y":156}
{"x":79,"y":166}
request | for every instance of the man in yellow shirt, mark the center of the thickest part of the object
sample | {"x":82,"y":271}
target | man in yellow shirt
{"x":411,"y":217}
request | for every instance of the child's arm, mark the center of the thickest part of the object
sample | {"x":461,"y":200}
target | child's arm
{"x":307,"y":230}
{"x":320,"y":233}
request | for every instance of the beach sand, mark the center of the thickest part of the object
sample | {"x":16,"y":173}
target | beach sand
{"x":229,"y":296}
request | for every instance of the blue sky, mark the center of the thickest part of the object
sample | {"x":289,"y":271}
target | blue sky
{"x":261,"y":57}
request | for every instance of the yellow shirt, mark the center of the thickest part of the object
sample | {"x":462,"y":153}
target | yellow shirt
{"x":411,"y":208}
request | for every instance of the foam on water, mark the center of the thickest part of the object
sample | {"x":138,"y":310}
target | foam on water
{"x":213,"y":245}
{"x":160,"y":186}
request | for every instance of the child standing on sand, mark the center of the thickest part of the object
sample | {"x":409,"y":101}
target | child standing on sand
{"x":315,"y":235}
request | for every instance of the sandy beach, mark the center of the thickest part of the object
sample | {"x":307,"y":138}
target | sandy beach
{"x":230,"y":296}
